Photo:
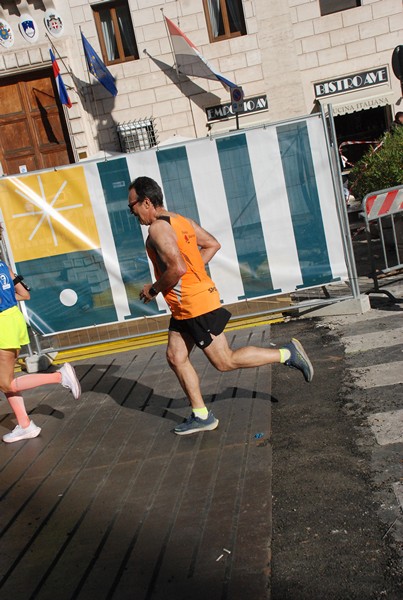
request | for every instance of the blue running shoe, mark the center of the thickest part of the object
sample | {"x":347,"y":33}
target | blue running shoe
{"x":299,"y":359}
{"x":193,"y":424}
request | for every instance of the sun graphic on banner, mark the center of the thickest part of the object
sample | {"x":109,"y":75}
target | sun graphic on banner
{"x":48,"y":214}
{"x":44,"y":212}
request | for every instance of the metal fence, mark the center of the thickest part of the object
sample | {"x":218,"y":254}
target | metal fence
{"x":383,"y":213}
{"x":272,"y":195}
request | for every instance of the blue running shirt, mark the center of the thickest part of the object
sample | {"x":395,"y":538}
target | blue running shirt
{"x":7,"y":293}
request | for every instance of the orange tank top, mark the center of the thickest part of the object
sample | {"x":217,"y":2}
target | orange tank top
{"x":195,"y":293}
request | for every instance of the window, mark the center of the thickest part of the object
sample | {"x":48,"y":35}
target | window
{"x":115,"y":32}
{"x":327,"y":7}
{"x":225,"y":19}
{"x":137,"y":135}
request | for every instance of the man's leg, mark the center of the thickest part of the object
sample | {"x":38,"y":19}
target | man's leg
{"x":224,"y":359}
{"x":178,"y":350}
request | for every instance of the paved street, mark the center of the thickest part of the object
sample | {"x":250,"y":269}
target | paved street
{"x":297,"y":495}
{"x":337,"y":461}
{"x":108,"y":503}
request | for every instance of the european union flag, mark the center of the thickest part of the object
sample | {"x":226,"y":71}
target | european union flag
{"x":97,"y":67}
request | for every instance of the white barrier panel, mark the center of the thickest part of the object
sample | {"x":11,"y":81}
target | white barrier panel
{"x":265,"y":193}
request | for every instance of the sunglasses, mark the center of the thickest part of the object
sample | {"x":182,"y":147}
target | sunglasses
{"x":131,"y":206}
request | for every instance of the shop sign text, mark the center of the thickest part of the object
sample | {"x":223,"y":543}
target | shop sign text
{"x":351,"y":82}
{"x":225,"y":111}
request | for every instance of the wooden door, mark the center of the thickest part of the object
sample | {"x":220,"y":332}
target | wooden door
{"x":33,"y":131}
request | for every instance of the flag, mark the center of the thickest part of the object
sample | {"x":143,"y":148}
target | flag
{"x":61,"y":88}
{"x":189,"y":61}
{"x":97,"y":67}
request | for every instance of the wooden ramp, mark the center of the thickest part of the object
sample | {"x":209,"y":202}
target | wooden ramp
{"x":107,"y":503}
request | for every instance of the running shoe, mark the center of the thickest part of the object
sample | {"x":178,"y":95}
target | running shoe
{"x":70,"y":381}
{"x":299,"y":359}
{"x":22,"y":433}
{"x":194,"y":424}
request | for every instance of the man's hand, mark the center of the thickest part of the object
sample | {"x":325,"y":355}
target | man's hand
{"x":145,"y":295}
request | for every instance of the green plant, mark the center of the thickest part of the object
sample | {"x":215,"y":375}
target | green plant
{"x":379,"y":169}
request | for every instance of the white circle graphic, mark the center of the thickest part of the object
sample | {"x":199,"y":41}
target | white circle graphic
{"x":68,"y":297}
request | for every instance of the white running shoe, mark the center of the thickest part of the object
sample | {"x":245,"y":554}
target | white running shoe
{"x":22,"y":433}
{"x":70,"y":381}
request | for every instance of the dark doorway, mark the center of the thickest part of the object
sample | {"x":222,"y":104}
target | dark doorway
{"x":363,"y":126}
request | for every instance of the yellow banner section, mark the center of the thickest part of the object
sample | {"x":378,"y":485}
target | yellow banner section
{"x":49,"y":213}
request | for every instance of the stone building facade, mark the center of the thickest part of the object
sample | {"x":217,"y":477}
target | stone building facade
{"x":288,"y":56}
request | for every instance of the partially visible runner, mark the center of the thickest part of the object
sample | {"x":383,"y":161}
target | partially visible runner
{"x":13,"y":335}
{"x":179,"y":250}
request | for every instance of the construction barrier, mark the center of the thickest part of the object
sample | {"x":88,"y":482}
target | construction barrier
{"x":268,"y":194}
{"x":383,"y":210}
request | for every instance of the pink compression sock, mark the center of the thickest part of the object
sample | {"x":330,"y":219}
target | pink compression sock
{"x":18,"y":407}
{"x":28,"y":382}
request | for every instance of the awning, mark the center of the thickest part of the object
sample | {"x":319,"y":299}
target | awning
{"x":343,"y":104}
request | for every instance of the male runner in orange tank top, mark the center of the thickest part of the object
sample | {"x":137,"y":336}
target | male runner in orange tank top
{"x":179,"y":250}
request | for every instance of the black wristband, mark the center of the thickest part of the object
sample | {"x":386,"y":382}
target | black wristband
{"x":152,"y":291}
{"x":19,"y":279}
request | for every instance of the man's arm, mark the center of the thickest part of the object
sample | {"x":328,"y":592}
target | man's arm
{"x":163,"y":239}
{"x":208,"y":245}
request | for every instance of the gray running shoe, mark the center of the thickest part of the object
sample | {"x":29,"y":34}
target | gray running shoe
{"x":193,"y":424}
{"x":299,"y":359}
{"x":22,"y":433}
{"x":70,"y":381}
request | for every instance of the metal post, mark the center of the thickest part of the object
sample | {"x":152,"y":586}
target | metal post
{"x":331,"y":140}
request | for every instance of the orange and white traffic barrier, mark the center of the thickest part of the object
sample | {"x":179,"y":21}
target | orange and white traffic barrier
{"x":383,"y":203}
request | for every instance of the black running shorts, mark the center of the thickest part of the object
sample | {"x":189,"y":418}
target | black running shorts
{"x":200,"y":328}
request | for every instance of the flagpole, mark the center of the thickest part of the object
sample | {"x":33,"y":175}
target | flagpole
{"x":58,"y":55}
{"x":170,"y":43}
{"x":69,"y":71}
{"x":177,"y":71}
{"x":65,"y":113}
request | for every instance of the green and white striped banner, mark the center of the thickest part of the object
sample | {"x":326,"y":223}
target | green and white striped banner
{"x":265,"y":193}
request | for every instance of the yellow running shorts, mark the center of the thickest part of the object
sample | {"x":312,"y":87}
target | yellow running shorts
{"x":13,"y":329}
